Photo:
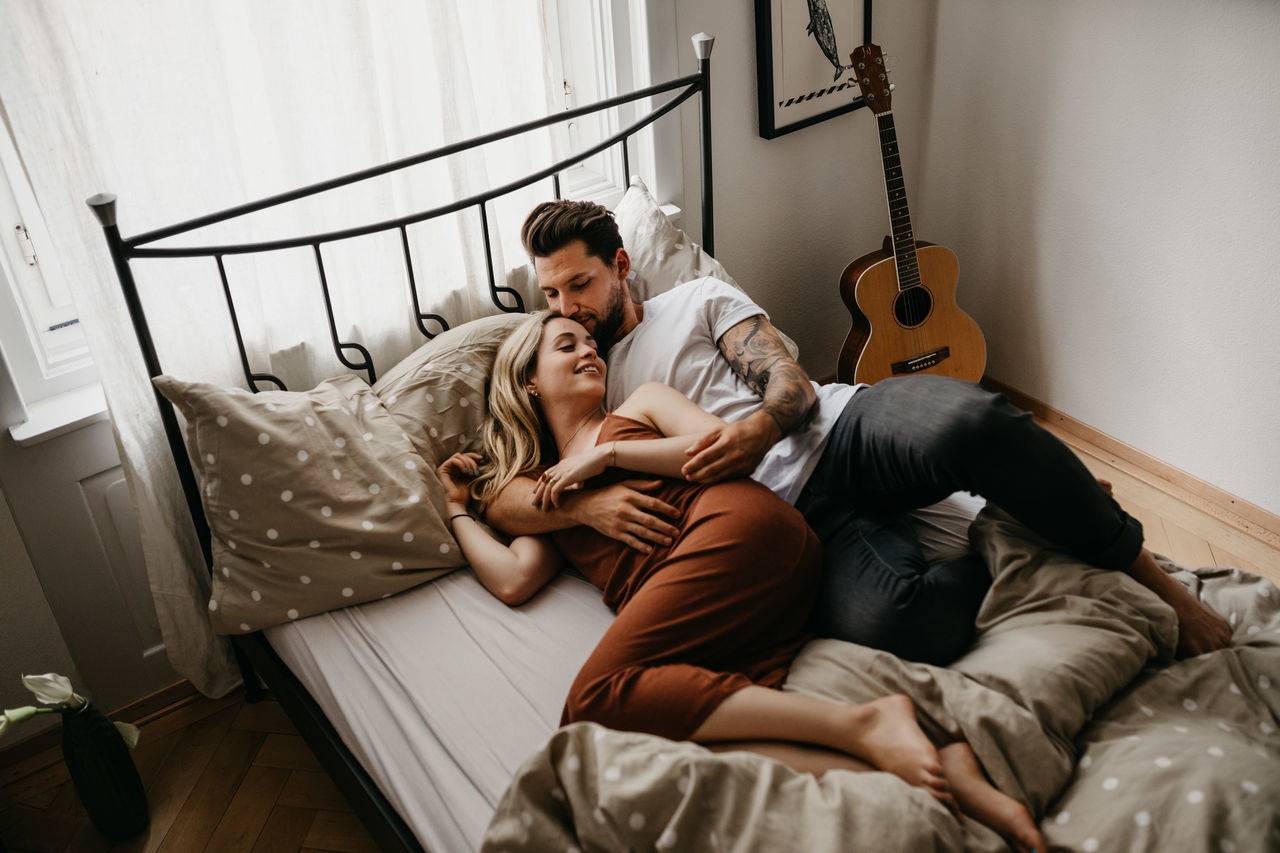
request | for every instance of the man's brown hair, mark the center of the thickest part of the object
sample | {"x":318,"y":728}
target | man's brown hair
{"x":553,"y":225}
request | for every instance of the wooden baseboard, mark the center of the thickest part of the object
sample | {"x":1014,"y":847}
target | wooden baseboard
{"x":45,"y":748}
{"x":1248,"y":518}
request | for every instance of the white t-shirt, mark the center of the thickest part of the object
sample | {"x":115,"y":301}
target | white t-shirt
{"x":677,"y":344}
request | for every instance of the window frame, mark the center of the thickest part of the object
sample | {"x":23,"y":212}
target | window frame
{"x":617,"y":50}
{"x":40,"y":362}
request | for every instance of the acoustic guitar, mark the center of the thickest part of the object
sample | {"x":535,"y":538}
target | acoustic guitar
{"x":902,"y":297}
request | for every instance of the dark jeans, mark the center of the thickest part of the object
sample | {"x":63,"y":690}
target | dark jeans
{"x":907,"y":442}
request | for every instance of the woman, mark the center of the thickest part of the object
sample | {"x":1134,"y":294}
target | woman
{"x":707,"y":625}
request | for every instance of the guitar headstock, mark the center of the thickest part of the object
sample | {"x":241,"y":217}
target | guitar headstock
{"x":873,"y":77}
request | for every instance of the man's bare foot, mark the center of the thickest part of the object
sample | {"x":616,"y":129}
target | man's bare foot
{"x":1200,"y":630}
{"x":979,"y":799}
{"x":887,"y":735}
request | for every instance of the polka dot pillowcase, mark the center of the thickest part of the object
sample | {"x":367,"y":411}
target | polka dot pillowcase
{"x":437,"y":393}
{"x":316,"y":500}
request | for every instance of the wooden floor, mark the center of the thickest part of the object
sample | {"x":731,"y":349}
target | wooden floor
{"x":225,"y":776}
{"x":1172,"y":522}
{"x":221,"y":775}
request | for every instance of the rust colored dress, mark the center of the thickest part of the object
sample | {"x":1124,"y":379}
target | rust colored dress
{"x":726,"y":605}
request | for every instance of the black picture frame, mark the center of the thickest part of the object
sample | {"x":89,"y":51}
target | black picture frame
{"x":794,"y":81}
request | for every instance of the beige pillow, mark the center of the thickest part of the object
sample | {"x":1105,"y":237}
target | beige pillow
{"x":438,"y":393}
{"x":316,"y":500}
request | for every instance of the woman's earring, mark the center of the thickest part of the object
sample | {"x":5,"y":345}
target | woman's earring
{"x":533,"y":392}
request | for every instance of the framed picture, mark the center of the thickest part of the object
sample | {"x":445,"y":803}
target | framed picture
{"x":802,"y":60}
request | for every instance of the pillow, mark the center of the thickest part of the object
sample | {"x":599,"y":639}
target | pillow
{"x":437,"y":394}
{"x":316,"y":500}
{"x":661,"y":254}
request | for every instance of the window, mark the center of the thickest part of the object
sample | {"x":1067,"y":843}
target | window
{"x":40,"y":337}
{"x":601,"y":50}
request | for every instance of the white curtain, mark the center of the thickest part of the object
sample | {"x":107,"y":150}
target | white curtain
{"x":189,"y":107}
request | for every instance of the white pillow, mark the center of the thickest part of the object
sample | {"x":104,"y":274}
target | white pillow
{"x":662,"y":255}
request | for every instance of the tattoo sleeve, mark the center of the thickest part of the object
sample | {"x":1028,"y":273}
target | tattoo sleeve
{"x":756,"y":353}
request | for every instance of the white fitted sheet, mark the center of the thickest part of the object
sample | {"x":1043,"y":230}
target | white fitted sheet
{"x":442,"y":692}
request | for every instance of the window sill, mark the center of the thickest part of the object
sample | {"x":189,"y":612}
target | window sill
{"x":61,"y":414}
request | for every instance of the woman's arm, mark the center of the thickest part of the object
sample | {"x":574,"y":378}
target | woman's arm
{"x":512,"y":572}
{"x":667,"y":410}
{"x":662,"y":407}
{"x":622,"y":511}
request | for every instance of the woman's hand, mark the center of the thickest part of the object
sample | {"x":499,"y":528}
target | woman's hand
{"x":569,"y":473}
{"x":454,"y":473}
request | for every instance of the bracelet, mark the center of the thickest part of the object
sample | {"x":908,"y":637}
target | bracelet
{"x":613,"y":454}
{"x":461,"y":515}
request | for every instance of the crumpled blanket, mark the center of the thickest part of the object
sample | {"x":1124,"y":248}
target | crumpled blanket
{"x":1069,"y":697}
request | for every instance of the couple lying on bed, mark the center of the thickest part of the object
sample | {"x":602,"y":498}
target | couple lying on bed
{"x":714,"y":577}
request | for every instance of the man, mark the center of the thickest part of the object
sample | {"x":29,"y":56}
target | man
{"x":853,"y":460}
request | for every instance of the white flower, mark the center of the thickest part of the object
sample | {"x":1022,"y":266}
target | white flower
{"x":13,"y":716}
{"x":128,"y":732}
{"x":52,"y":689}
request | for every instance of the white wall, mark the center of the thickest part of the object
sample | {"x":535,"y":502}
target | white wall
{"x":1106,"y":171}
{"x":32,"y":642}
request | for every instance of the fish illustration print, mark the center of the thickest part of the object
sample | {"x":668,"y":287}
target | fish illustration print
{"x":822,"y":31}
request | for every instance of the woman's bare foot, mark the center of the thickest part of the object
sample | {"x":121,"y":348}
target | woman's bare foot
{"x":886,"y":734}
{"x":1200,"y":630}
{"x":980,"y":800}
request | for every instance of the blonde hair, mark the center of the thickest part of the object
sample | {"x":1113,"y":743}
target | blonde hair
{"x":514,"y":433}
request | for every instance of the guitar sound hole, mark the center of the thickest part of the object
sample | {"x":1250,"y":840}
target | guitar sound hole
{"x":913,"y":306}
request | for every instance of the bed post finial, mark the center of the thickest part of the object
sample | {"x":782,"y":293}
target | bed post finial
{"x":702,"y":44}
{"x":104,"y":207}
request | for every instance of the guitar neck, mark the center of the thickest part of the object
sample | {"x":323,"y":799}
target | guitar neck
{"x":904,"y":242}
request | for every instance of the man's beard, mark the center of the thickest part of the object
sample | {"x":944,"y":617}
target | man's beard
{"x":606,"y":326}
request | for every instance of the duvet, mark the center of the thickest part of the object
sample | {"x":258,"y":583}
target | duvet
{"x":1070,"y":698}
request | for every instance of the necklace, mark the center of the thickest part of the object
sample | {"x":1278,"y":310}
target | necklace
{"x":560,"y":450}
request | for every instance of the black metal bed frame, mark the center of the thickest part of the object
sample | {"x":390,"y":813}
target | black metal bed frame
{"x":253,"y":652}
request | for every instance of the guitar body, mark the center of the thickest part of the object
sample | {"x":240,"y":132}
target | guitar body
{"x":884,"y":338}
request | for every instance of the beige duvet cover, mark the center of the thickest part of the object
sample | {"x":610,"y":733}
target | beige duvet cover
{"x":1069,"y":698}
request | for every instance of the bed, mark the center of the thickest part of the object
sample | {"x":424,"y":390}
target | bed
{"x":434,"y":706}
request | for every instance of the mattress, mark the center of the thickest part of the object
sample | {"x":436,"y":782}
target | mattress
{"x":443,"y":691}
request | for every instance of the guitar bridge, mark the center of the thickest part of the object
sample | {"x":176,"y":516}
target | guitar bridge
{"x":921,"y":362}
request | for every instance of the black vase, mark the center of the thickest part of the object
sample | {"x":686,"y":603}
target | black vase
{"x":104,"y":774}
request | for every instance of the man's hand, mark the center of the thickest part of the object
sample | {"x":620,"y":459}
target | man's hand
{"x":624,"y":512}
{"x":733,"y":450}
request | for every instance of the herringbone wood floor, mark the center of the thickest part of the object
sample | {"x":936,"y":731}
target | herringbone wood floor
{"x":222,"y":775}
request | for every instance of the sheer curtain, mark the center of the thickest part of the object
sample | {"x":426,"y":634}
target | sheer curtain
{"x":185,"y":108}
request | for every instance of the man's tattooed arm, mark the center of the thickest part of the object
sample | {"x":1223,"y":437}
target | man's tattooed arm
{"x":756,"y":353}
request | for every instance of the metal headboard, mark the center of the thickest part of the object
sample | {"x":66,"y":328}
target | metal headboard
{"x":352,"y":353}
{"x":253,"y":651}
